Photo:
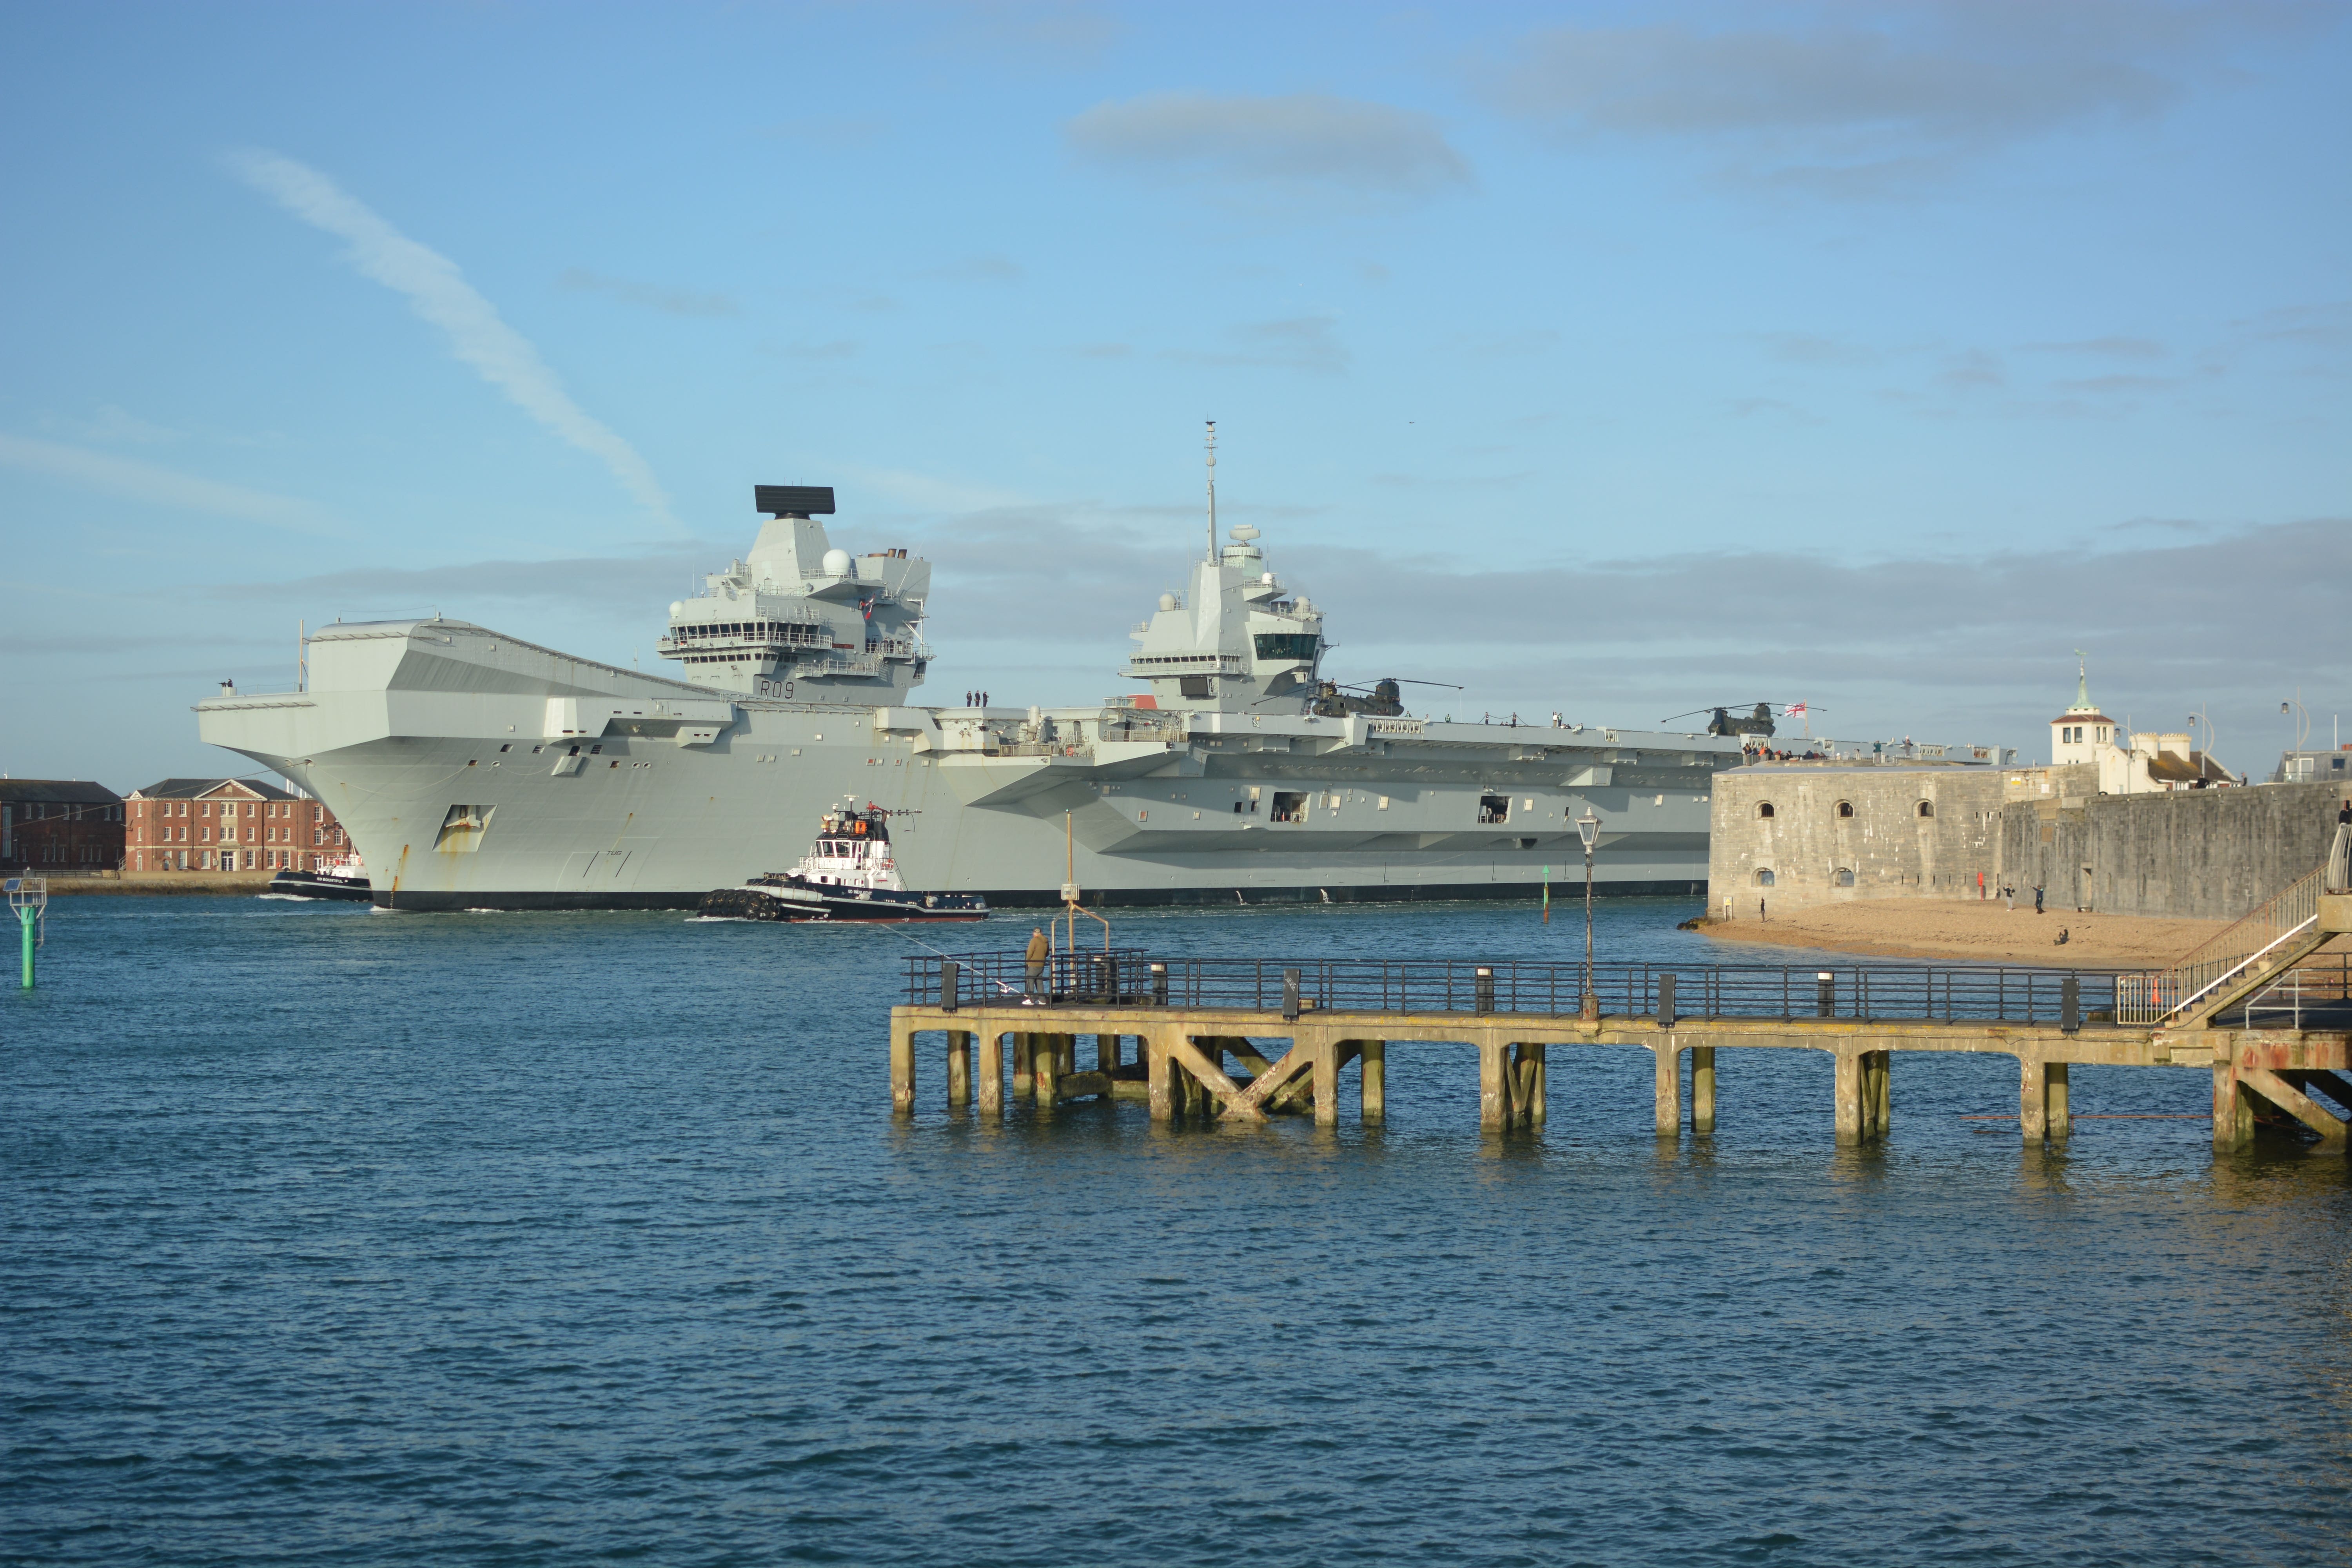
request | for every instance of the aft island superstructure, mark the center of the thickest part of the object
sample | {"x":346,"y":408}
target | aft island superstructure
{"x":474,"y":770}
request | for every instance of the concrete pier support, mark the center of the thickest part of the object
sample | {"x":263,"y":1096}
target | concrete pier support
{"x":1049,"y":1075}
{"x":1025,"y":1064}
{"x":2233,"y":1108}
{"x":2032,"y":1099}
{"x":1668,"y":1061}
{"x":2054,"y":1098}
{"x":1326,"y":1083}
{"x":1159,"y":1077}
{"x":1374,"y":1081}
{"x":1703,"y":1091}
{"x":902,"y":1069}
{"x":988,"y":1067}
{"x":1494,"y":1086}
{"x":1877,"y":1094}
{"x":1849,"y":1097}
{"x":959,"y":1067}
{"x":1528,"y":1084}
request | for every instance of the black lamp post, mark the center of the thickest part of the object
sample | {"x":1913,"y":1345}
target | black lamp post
{"x":1588,"y":827}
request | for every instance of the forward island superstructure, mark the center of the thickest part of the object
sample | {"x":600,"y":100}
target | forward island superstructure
{"x":474,"y":770}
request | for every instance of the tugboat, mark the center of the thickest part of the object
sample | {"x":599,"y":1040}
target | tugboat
{"x":346,"y":879}
{"x":847,"y":875}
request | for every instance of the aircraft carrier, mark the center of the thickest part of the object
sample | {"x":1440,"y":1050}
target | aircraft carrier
{"x":475,"y":770}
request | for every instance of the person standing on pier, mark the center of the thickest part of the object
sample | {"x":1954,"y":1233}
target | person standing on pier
{"x":1039,"y":950}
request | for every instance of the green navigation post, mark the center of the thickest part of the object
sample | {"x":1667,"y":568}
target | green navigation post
{"x":28,"y":896}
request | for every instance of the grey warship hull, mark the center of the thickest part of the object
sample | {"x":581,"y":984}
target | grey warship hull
{"x":473,"y":771}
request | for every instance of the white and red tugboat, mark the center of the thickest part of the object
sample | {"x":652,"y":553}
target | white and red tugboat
{"x":848,"y":875}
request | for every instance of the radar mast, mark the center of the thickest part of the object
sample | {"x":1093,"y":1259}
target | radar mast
{"x":1212,"y":490}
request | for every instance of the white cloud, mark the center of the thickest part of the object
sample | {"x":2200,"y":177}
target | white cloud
{"x":1301,"y":139}
{"x":133,"y":481}
{"x":1852,"y":102}
{"x":650,"y":295}
{"x":438,"y":291}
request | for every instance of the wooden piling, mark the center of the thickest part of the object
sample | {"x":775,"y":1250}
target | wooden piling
{"x":2233,"y":1110}
{"x":1024,"y":1068}
{"x":902,"y":1068}
{"x":1160,"y":1076}
{"x":1876,"y":1094}
{"x":1703,"y":1091}
{"x":1049,"y":1075}
{"x":1326,"y":1082}
{"x":2054,"y":1096}
{"x":1666,"y":1053}
{"x":1526,"y":1080}
{"x":1848,"y":1095}
{"x":988,"y":1066}
{"x":1493,"y":1089}
{"x":1372,"y":1083}
{"x":2032,"y":1099}
{"x":959,"y":1067}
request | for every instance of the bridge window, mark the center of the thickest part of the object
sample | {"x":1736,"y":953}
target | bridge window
{"x":1843,"y":878}
{"x":1763,"y":808}
{"x":1763,"y":876}
{"x":1926,"y":809}
{"x":1301,"y":646}
{"x":1846,"y":808}
{"x":1494,"y":809}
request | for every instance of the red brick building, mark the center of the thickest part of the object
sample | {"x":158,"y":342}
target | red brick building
{"x":60,"y":826}
{"x":228,"y":824}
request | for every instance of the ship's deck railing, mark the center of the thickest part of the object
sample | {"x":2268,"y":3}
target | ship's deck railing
{"x":1877,"y":992}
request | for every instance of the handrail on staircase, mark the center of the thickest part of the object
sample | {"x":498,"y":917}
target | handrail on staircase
{"x":2162,"y":994}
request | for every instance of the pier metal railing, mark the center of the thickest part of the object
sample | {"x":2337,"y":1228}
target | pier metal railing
{"x":1875,"y":992}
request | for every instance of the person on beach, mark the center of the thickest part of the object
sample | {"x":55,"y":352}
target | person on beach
{"x":2037,"y":898}
{"x":2339,"y":854}
{"x":2009,"y":897}
{"x":1039,"y":949}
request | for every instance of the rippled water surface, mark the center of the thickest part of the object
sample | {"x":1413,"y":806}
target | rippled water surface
{"x":332,"y":1235}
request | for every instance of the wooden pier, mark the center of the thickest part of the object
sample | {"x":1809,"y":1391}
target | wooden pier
{"x":1242,"y":1041}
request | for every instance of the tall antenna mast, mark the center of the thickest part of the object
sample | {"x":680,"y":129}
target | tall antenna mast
{"x":1212,"y":491}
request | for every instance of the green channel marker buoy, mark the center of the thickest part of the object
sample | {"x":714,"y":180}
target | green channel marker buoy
{"x":30,"y":898}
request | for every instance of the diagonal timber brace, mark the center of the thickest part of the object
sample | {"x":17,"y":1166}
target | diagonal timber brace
{"x":2294,"y":1102}
{"x":1236,"y":1098}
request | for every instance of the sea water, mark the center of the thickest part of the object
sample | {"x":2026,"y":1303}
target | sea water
{"x":331,"y":1235}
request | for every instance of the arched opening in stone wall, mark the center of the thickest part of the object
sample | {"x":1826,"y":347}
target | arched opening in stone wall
{"x":1846,"y":808}
{"x":1764,"y":808}
{"x":1926,"y":809}
{"x":1843,"y":878}
{"x":1763,"y":876}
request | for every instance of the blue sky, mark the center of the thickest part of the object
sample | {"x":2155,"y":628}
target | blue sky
{"x":1609,"y":359}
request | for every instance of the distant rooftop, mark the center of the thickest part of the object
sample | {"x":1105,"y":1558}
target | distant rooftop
{"x":191,"y":789}
{"x":74,"y":791}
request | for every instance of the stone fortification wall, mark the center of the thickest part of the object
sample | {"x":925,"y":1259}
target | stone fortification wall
{"x":1835,"y":834}
{"x":2208,"y":854}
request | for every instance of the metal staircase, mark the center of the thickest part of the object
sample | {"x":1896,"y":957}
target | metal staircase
{"x":2236,"y":962}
